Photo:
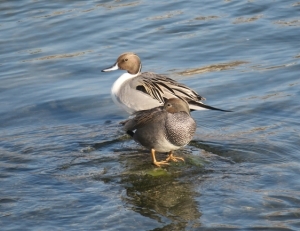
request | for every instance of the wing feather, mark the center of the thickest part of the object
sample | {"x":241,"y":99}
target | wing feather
{"x":141,"y":118}
{"x":161,"y":87}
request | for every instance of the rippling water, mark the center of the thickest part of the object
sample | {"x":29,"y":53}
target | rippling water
{"x":65,"y":164}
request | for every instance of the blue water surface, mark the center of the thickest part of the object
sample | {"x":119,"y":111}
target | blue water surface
{"x":66,"y":164}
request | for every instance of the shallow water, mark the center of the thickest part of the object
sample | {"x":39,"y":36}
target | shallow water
{"x":65,"y":163}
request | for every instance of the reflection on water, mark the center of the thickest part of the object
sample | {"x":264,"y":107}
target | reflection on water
{"x":165,"y":195}
{"x":165,"y":199}
{"x":212,"y":68}
{"x":59,"y":56}
{"x":247,"y":20}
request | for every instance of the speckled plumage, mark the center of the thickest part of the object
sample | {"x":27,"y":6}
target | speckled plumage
{"x":163,"y":129}
{"x":180,"y":128}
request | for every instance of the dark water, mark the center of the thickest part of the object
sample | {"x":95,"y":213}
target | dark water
{"x":65,"y":163}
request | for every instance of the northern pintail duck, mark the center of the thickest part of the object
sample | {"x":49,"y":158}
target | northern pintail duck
{"x":135,"y":91}
{"x":163,"y":129}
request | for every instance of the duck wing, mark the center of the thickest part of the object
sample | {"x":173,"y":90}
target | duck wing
{"x":161,"y":88}
{"x":141,"y":118}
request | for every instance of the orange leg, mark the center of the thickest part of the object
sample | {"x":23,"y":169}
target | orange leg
{"x":155,"y":162}
{"x":173,"y":158}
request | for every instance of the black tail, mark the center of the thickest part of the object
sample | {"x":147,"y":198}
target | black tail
{"x":131,"y":133}
{"x":207,"y":107}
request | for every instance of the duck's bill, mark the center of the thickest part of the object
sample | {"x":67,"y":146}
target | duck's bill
{"x":113,"y":68}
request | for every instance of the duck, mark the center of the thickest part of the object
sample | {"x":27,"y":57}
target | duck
{"x":163,"y":129}
{"x":136,"y":91}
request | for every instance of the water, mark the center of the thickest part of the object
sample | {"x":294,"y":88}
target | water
{"x":65,"y":163}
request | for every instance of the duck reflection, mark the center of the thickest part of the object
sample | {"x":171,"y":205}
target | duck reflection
{"x":166,"y":195}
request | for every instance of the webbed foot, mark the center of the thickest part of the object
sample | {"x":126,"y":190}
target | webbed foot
{"x":173,"y":158}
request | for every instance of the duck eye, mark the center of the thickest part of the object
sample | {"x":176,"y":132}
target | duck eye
{"x":125,"y":60}
{"x":169,"y":105}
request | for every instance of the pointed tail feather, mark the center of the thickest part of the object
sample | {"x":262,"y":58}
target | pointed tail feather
{"x":204,"y":106}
